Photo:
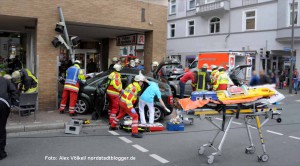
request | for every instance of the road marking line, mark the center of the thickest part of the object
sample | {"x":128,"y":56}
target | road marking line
{"x":294,"y":137}
{"x":297,"y":100}
{"x":273,"y":132}
{"x":237,"y":123}
{"x":158,"y":158}
{"x":252,"y":127}
{"x":113,"y":133}
{"x":219,"y":119}
{"x":140,"y":148}
{"x":125,"y":140}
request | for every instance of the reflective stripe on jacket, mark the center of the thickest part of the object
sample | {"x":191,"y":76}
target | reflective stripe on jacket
{"x":115,"y":85}
{"x":214,"y":75}
{"x":201,"y":81}
{"x":130,"y":94}
{"x":73,"y":73}
{"x":222,"y":81}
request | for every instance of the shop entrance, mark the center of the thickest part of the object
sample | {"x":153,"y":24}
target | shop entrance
{"x":86,"y":56}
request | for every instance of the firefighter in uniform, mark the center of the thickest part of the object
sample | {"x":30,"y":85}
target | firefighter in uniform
{"x":214,"y":74}
{"x":8,"y":95}
{"x":127,"y":101}
{"x":222,"y":81}
{"x":203,"y":81}
{"x":25,"y":80}
{"x":113,"y":91}
{"x":74,"y":78}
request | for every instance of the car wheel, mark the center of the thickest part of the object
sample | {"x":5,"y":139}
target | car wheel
{"x":158,"y":113}
{"x":82,"y":106}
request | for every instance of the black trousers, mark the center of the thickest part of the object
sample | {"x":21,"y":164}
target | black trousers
{"x":4,"y":113}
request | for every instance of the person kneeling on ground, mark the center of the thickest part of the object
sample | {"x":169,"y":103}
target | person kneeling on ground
{"x":127,"y":101}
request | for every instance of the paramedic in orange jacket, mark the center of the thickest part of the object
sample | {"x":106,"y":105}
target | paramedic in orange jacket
{"x":126,"y":103}
{"x":73,"y":78}
{"x":113,"y":91}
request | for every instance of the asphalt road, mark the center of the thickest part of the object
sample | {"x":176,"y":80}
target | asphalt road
{"x":98,"y":146}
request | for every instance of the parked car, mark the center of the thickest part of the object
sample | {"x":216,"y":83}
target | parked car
{"x":173,"y":70}
{"x":92,"y":94}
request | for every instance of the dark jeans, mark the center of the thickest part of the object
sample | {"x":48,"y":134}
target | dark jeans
{"x":182,"y":87}
{"x":296,"y":86}
{"x":281,"y":85}
{"x":4,"y":112}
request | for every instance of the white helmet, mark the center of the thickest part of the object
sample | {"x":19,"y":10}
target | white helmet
{"x":77,"y":61}
{"x":16,"y":76}
{"x":155,"y":63}
{"x":139,"y":78}
{"x":131,"y":63}
{"x":214,"y":67}
{"x":115,"y":59}
{"x":117,"y":67}
{"x":137,"y":60}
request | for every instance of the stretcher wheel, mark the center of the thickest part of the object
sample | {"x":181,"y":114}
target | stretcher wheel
{"x":201,"y":150}
{"x":250,"y":150}
{"x":263,"y":158}
{"x":210,"y":159}
{"x":278,"y":120}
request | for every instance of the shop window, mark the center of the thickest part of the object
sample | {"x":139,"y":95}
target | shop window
{"x":249,"y":20}
{"x":214,"y":25}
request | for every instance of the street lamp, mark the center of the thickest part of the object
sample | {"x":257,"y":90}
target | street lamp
{"x":292,"y":51}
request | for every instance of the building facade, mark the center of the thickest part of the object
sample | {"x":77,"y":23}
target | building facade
{"x":259,"y":27}
{"x":27,"y":29}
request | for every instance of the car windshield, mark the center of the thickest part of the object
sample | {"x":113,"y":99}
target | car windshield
{"x":97,"y":77}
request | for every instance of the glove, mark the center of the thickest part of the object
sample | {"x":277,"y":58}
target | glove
{"x":167,"y":110}
{"x":133,"y":111}
{"x":122,"y":91}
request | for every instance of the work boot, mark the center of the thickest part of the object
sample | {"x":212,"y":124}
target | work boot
{"x":112,"y":128}
{"x":61,"y":112}
{"x":137,"y":135}
{"x":3,"y":155}
{"x":73,"y":114}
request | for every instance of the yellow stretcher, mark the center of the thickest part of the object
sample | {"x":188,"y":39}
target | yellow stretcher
{"x":249,"y":115}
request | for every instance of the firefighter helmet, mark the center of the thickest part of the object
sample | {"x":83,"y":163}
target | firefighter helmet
{"x":205,"y":65}
{"x":115,"y":59}
{"x":77,"y":62}
{"x":213,"y":67}
{"x":155,"y":63}
{"x":117,"y":67}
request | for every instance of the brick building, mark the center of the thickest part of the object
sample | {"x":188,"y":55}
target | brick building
{"x":29,"y":25}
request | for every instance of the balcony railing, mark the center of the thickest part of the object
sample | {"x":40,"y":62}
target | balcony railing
{"x":249,"y":2}
{"x":213,"y":7}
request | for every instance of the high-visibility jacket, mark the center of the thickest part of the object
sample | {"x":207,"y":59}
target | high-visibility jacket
{"x":222,"y":81}
{"x":214,"y":75}
{"x":115,"y":84}
{"x":203,"y":80}
{"x":74,"y":73}
{"x":29,"y":81}
{"x":130,"y":94}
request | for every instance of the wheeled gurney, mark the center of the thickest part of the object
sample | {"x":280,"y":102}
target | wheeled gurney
{"x":228,"y":114}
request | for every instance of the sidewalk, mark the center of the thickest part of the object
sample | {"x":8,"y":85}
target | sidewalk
{"x":46,"y":120}
{"x":50,"y":120}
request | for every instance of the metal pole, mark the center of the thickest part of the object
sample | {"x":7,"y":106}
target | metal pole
{"x":292,"y":50}
{"x":62,"y":19}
